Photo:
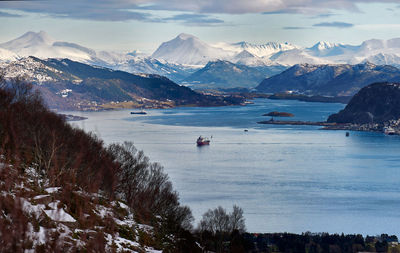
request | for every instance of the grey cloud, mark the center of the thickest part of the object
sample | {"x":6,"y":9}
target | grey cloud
{"x":334,"y":24}
{"x":195,"y":19}
{"x":118,"y":15}
{"x":102,"y":10}
{"x":119,"y":10}
{"x":294,"y":28}
{"x":323,"y":15}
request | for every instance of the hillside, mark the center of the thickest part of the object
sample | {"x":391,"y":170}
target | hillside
{"x":63,"y":190}
{"x":328,"y":80}
{"x":224,"y":74}
{"x":67,"y":84}
{"x":377,"y":103}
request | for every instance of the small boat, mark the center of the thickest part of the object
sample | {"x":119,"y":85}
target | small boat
{"x":201,"y":141}
{"x":389,"y":131}
{"x":139,"y":112}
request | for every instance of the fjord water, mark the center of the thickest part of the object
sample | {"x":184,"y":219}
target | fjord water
{"x":286,"y":178}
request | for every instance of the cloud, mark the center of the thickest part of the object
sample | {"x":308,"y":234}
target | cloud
{"x":323,"y":15}
{"x":334,"y":24}
{"x":9,"y":15}
{"x":195,"y":19}
{"x":121,"y":10}
{"x":99,"y":10}
{"x":310,"y":7}
{"x":294,"y":28}
{"x":105,"y":15}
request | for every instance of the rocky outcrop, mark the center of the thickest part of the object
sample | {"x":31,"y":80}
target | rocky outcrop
{"x":279,"y":114}
{"x":377,"y":103}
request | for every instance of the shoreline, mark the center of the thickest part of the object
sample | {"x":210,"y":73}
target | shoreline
{"x":378,"y":128}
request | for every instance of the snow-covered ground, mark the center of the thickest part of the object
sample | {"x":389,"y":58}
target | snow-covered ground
{"x":49,"y":219}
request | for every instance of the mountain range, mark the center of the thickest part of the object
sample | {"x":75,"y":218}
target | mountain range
{"x":329,"y":80}
{"x":42,"y":46}
{"x":179,"y":58}
{"x":188,"y":49}
{"x":224,"y":75}
{"x":67,"y":84}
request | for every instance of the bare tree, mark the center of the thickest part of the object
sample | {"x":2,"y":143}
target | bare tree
{"x":236,"y":219}
{"x":219,"y":221}
{"x":147,"y":188}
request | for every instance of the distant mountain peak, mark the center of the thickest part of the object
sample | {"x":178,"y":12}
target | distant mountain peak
{"x":41,"y":37}
{"x":321,"y":45}
{"x":218,"y":62}
{"x":244,"y":54}
{"x":188,"y":49}
{"x":185,"y":36}
{"x":29,"y":39}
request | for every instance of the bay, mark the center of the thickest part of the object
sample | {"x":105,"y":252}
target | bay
{"x":286,"y":178}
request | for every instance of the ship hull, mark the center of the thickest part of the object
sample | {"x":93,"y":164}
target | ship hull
{"x":203,"y":143}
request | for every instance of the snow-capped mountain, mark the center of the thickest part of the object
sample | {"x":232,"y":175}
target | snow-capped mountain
{"x":264,"y":50}
{"x":325,"y":49}
{"x":41,"y":45}
{"x":297,"y":56}
{"x":384,"y":59}
{"x":188,"y":49}
{"x":182,"y":56}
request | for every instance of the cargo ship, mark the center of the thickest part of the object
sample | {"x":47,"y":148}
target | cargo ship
{"x":201,"y":141}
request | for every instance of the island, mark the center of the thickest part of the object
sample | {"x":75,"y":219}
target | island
{"x":375,"y":108}
{"x":279,"y":114}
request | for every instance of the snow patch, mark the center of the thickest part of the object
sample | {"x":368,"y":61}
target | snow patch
{"x":52,"y":189}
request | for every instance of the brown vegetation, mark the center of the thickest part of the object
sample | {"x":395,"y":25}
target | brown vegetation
{"x":32,"y":138}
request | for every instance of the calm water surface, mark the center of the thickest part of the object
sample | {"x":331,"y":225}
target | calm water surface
{"x":286,"y":178}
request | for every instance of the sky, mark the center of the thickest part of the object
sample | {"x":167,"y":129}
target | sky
{"x":128,"y":25}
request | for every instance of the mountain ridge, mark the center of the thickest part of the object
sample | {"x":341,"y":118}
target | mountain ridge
{"x":328,"y":80}
{"x":66,"y":84}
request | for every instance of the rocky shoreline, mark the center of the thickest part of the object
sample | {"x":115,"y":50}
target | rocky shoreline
{"x":394,"y":126}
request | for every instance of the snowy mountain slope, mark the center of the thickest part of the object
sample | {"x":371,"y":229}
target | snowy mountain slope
{"x":297,"y":56}
{"x":329,"y":80}
{"x":384,"y":59}
{"x":7,"y":55}
{"x":326,"y":49}
{"x":188,"y":49}
{"x":264,"y":50}
{"x":71,"y":85}
{"x":185,"y":54}
{"x":249,"y":59}
{"x":41,"y":45}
